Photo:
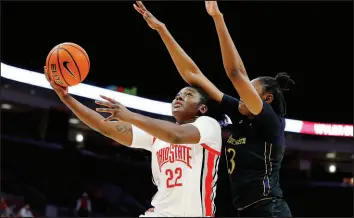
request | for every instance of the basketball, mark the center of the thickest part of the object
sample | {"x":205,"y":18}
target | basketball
{"x":68,"y":64}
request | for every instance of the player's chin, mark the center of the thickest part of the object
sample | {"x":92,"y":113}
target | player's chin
{"x":177,"y":111}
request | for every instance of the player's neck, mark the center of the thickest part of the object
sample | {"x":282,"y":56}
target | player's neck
{"x":186,"y":121}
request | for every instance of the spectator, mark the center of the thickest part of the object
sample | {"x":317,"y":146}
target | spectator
{"x":5,"y":210}
{"x":25,"y":211}
{"x":83,"y":206}
{"x":3,"y":207}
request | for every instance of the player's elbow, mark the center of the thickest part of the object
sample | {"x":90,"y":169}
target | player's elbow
{"x":194,"y":69}
{"x":255,"y":107}
{"x":174,"y":138}
{"x":100,"y":128}
{"x":105,"y":130}
{"x":122,"y":140}
{"x":177,"y":136}
{"x":191,"y":70}
{"x":194,"y":78}
{"x":233,"y":73}
{"x":185,"y":134}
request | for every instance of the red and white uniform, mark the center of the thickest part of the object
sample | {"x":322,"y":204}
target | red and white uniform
{"x":83,"y":203}
{"x":185,"y":174}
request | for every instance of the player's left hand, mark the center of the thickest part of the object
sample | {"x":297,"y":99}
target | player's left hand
{"x":149,"y":18}
{"x":117,"y":110}
{"x":212,"y":8}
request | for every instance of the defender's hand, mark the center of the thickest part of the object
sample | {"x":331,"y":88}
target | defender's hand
{"x":149,"y":18}
{"x":212,"y":8}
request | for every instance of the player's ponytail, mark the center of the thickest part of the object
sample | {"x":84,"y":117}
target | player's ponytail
{"x":283,"y":79}
{"x":276,"y":86}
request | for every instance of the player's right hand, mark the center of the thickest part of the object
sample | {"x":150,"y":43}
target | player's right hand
{"x":212,"y":8}
{"x":150,"y":19}
{"x":60,"y":90}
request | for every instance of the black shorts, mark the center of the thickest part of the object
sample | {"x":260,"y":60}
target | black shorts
{"x":275,"y":207}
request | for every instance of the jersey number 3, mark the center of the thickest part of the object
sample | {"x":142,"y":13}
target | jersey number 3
{"x":232,"y":160}
{"x":173,"y":177}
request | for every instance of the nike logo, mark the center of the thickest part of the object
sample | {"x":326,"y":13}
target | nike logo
{"x":65,"y":64}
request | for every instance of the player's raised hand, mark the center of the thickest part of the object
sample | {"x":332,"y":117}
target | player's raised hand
{"x":117,"y":110}
{"x":60,"y":90}
{"x":212,"y":8}
{"x":150,"y":19}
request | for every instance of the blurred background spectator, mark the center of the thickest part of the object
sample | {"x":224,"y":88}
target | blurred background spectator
{"x":83,"y":206}
{"x":25,"y":211}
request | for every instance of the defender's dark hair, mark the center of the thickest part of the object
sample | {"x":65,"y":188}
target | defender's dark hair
{"x":276,"y":86}
{"x":214,"y":109}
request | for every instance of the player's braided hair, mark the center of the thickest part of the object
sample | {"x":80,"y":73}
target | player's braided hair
{"x":214,"y":109}
{"x":276,"y":86}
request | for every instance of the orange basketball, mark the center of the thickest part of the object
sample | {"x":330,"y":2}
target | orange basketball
{"x":68,"y":64}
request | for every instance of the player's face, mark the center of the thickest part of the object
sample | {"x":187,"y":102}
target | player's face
{"x":186,"y":104}
{"x":242,"y":107}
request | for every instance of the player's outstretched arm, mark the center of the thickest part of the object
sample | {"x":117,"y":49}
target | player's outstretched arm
{"x":119,"y":131}
{"x":163,"y":130}
{"x":232,"y":61}
{"x":184,"y":64}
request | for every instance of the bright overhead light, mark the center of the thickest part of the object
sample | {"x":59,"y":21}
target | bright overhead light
{"x":74,"y":121}
{"x":331,"y":155}
{"x":6,"y":106}
{"x":332,"y":168}
{"x":79,"y":137}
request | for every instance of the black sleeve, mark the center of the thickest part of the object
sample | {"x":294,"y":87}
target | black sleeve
{"x":269,"y":122}
{"x":229,"y":105}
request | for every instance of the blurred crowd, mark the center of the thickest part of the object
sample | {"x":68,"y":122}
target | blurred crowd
{"x":15,"y":209}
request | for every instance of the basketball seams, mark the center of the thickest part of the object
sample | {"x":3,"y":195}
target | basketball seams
{"x":81,"y":50}
{"x":58,"y":49}
{"x":77,"y":67}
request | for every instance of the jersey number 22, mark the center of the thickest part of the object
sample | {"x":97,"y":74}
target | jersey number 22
{"x":173,"y":177}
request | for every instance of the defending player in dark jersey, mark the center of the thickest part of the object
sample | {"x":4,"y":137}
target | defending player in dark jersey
{"x":255,"y":142}
{"x":254,"y":146}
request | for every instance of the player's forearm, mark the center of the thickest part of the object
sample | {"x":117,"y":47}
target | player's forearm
{"x":184,"y":64}
{"x":118,"y":131}
{"x":85,"y":114}
{"x":161,"y":129}
{"x":231,"y":59}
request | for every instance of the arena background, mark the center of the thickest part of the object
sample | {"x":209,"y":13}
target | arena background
{"x":48,"y":158}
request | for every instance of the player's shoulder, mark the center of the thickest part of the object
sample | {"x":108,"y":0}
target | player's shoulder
{"x":207,"y":122}
{"x":206,"y":119}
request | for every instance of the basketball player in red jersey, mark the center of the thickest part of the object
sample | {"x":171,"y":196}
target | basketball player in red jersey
{"x":255,"y":141}
{"x":185,"y":154}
